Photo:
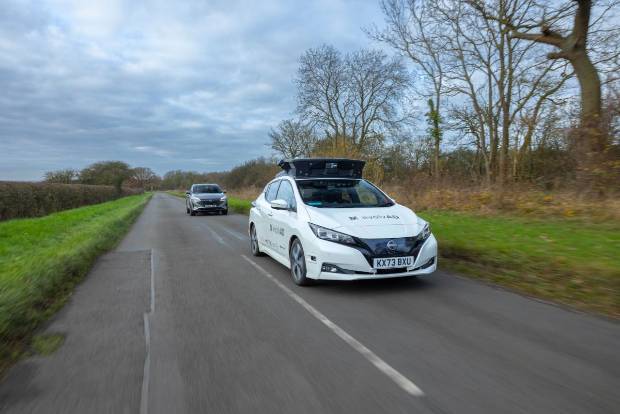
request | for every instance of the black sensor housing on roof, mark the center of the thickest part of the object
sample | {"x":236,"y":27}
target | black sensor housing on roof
{"x":322,"y":168}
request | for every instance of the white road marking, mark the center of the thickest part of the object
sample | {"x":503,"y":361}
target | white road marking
{"x":234,"y":233}
{"x":216,"y":236}
{"x":152,"y":281}
{"x":402,"y":381}
{"x":146,"y":375}
{"x":144,"y":396}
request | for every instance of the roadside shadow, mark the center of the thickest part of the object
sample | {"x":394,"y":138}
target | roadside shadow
{"x":376,"y":287}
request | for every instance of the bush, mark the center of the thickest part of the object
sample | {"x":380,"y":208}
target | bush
{"x":23,"y":199}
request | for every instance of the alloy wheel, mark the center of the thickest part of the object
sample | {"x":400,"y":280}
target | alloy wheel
{"x":254,"y":240}
{"x":298,"y":263}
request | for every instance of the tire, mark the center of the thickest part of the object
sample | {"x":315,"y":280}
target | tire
{"x":186,"y":209}
{"x":254,"y":247}
{"x":192,"y":212}
{"x":298,"y":264}
{"x":224,"y":212}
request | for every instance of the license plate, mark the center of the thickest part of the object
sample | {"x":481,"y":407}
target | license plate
{"x":392,"y":262}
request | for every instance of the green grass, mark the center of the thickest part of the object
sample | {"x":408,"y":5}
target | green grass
{"x":239,"y":206}
{"x":47,"y":344}
{"x":566,"y":261}
{"x":236,"y":205}
{"x":41,"y":260}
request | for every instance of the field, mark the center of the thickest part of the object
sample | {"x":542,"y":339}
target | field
{"x":41,"y":259}
{"x":571,"y":261}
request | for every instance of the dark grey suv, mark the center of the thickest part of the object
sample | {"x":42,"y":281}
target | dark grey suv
{"x":206,"y":197}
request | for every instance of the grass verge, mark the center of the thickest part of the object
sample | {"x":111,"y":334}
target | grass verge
{"x":42,"y":259}
{"x":236,"y":205}
{"x":565,"y":260}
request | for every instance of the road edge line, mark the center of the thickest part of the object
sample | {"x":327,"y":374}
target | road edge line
{"x":144,"y":394}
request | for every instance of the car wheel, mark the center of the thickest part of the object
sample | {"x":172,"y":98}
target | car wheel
{"x":191,"y":211}
{"x":254,"y":242}
{"x":187,"y":209}
{"x":298,"y":264}
{"x":224,"y":212}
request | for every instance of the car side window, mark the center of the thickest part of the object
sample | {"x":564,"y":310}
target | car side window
{"x":286,"y":193}
{"x":270,"y":195}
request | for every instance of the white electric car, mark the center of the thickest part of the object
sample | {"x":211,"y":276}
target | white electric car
{"x":323,"y":221}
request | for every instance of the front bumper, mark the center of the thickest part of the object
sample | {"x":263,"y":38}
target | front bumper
{"x":223,"y":206}
{"x":354,"y":266}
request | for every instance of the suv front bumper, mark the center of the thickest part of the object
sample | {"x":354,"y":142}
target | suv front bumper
{"x":223,"y":206}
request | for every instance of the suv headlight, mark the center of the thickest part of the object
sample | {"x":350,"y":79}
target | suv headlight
{"x":223,"y":198}
{"x":331,"y":235}
{"x":196,"y":199}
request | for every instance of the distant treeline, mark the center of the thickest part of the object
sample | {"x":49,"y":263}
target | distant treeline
{"x":23,"y":199}
{"x":113,"y":173}
{"x":117,"y":175}
{"x":253,"y":173}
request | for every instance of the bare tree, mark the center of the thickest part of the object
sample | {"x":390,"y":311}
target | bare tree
{"x":143,"y":177}
{"x":321,"y":90}
{"x":500,"y":78}
{"x":292,"y":138}
{"x":376,"y":85}
{"x":353,"y":97}
{"x":66,"y":176}
{"x":413,"y":29}
{"x":573,"y":45}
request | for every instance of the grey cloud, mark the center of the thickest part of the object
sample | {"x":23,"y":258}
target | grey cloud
{"x":169,"y":85}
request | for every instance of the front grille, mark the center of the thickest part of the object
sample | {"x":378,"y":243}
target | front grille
{"x":377,"y":248}
{"x":209,"y":202}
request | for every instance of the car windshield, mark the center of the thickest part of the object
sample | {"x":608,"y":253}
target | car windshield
{"x":207,"y":189}
{"x":336,"y":193}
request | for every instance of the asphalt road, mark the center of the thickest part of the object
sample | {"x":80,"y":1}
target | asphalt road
{"x":180,"y":318}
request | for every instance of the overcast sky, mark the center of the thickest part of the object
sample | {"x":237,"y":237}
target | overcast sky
{"x":192,"y":84}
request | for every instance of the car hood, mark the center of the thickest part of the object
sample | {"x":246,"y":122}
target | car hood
{"x":368,"y":223}
{"x":208,"y":196}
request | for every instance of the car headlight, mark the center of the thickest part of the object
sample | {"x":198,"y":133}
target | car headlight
{"x":331,"y":235}
{"x":223,"y":198}
{"x":426,"y":232}
{"x":196,"y":199}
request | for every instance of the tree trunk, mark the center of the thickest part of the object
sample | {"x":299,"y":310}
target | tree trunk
{"x":590,"y":138}
{"x":590,"y":86}
{"x":437,"y":139}
{"x":435,"y":132}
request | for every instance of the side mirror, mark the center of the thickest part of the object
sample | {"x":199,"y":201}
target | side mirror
{"x":224,"y":191}
{"x":279,"y":205}
{"x":188,"y":192}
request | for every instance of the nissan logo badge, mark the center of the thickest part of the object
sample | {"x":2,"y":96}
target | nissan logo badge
{"x":392,"y":245}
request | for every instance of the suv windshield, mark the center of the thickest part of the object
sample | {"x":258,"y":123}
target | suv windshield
{"x":206,"y":189}
{"x":336,"y":193}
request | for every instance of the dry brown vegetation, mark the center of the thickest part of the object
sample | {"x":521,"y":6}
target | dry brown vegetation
{"x":519,"y":200}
